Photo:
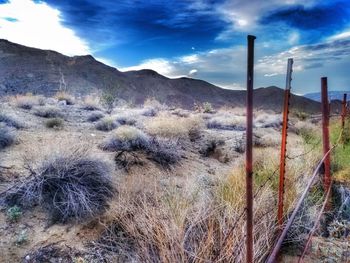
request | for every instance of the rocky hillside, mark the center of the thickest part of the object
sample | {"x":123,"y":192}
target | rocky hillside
{"x":24,"y":69}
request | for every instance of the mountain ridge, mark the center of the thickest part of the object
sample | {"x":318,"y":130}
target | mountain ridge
{"x":26,"y":69}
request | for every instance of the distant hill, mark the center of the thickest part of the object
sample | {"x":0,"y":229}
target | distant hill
{"x":332,"y":95}
{"x":24,"y":69}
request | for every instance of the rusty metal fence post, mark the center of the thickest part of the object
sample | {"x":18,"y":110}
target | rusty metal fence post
{"x":249,"y":150}
{"x":343,"y":111}
{"x":284,"y":142}
{"x":325,"y":133}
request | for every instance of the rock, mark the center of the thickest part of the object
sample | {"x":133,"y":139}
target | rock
{"x":51,"y":101}
{"x":62,"y":103}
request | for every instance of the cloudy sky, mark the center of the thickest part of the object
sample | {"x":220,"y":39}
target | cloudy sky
{"x":203,"y":39}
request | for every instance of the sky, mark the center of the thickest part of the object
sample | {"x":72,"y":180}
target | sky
{"x":204,"y":39}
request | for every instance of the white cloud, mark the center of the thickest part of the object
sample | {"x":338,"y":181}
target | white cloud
{"x":244,"y":15}
{"x":192,"y":72}
{"x":36,"y":24}
{"x":343,"y":35}
{"x":162,"y":66}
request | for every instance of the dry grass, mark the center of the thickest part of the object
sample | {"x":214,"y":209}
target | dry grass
{"x":65,"y":96}
{"x":227,"y":121}
{"x":27,"y":101}
{"x":106,"y":124}
{"x":174,"y":127}
{"x":91,"y":102}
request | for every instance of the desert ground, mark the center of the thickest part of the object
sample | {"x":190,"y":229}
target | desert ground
{"x":87,"y":181}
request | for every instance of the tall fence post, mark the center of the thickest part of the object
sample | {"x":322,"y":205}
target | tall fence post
{"x":325,"y":133}
{"x":284,"y":142}
{"x":249,"y":150}
{"x":343,"y":111}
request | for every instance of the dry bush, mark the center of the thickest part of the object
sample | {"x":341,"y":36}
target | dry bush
{"x":95,"y":116}
{"x":267,"y":120}
{"x":267,"y":137}
{"x":71,"y":185}
{"x":26,"y":102}
{"x":164,"y":151}
{"x":10,"y":121}
{"x":48,"y":112}
{"x":54,"y":123}
{"x":126,"y":119}
{"x":91,"y":103}
{"x":174,"y":127}
{"x":64,"y":96}
{"x":226,"y":121}
{"x":154,"y":104}
{"x":106,"y":124}
{"x":126,"y":138}
{"x":7,"y":136}
{"x":149,"y":112}
{"x":181,"y":113}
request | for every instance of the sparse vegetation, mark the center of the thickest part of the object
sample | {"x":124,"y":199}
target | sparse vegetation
{"x":48,"y":112}
{"x":91,"y":103}
{"x":7,"y":137}
{"x":22,"y":238}
{"x":10,"y":121}
{"x":95,"y":116}
{"x":227,"y":122}
{"x":174,"y":127}
{"x":126,"y":120}
{"x":149,"y":112}
{"x":54,"y":123}
{"x":126,"y":138}
{"x":26,"y":102}
{"x":70,"y":186}
{"x":108,"y":100}
{"x":207,"y":107}
{"x":106,"y":124}
{"x":64,"y":96}
{"x":14,"y":213}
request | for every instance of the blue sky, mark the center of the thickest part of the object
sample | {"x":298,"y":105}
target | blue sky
{"x":196,"y":38}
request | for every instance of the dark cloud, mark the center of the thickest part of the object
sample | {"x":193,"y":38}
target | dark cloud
{"x":329,"y":17}
{"x":127,"y":21}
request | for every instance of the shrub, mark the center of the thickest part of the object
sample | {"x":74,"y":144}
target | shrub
{"x":7,"y":137}
{"x":265,"y":120}
{"x":14,"y":213}
{"x":9,"y":121}
{"x":54,"y":123}
{"x":22,"y":238}
{"x":107,"y":100}
{"x":164,"y":152}
{"x":70,"y":186}
{"x":25,"y":101}
{"x":48,"y":112}
{"x":95,"y":116}
{"x":174,"y":127}
{"x":91,"y":103}
{"x":126,"y":120}
{"x":227,"y":122}
{"x":207,"y":107}
{"x":153,"y":103}
{"x":106,"y":124}
{"x":126,"y":138}
{"x":64,"y":96}
{"x":149,"y":112}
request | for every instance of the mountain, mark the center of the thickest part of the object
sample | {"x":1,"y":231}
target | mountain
{"x":24,"y":69}
{"x":332,"y":95}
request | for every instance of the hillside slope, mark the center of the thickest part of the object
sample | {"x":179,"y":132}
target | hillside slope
{"x":24,"y":69}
